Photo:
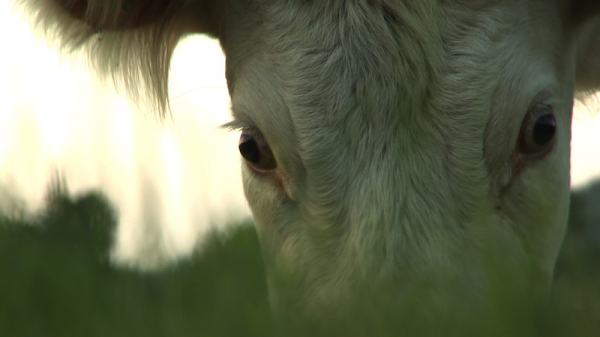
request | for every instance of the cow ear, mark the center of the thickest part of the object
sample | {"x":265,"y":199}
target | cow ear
{"x":128,"y":41}
{"x":585,"y":19}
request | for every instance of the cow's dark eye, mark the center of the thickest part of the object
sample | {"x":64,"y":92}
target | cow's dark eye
{"x":256,"y":152}
{"x":538,"y":132}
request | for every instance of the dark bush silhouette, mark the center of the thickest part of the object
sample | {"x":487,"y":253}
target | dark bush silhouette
{"x":56,"y":280}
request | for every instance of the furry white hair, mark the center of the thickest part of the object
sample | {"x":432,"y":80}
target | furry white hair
{"x":400,"y":132}
{"x":131,"y":51}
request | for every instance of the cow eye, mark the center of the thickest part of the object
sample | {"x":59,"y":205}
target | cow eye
{"x":538,"y":132}
{"x":257,"y":152}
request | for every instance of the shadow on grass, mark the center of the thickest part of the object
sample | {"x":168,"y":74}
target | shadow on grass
{"x":56,"y":280}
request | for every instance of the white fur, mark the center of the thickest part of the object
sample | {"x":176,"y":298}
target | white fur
{"x":394,"y":125}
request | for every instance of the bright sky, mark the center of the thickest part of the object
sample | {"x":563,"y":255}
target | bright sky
{"x":57,"y":116}
{"x":183,"y":178}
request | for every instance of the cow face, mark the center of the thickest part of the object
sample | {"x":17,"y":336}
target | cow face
{"x":394,"y":151}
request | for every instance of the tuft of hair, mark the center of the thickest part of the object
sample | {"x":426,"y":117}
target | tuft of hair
{"x":134,"y":54}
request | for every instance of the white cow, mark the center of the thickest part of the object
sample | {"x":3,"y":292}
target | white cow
{"x":396,"y":151}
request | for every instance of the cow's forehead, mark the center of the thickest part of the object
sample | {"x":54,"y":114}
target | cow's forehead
{"x":335,"y":64}
{"x":338,"y":62}
{"x":355,"y":56}
{"x":335,"y":84}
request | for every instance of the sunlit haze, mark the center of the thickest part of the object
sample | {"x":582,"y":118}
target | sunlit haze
{"x":181,"y":178}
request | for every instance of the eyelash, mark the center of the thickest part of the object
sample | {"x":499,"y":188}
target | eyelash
{"x":235,"y":125}
{"x":242,"y":126}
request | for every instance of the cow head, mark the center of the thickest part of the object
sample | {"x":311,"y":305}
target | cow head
{"x":392,"y":150}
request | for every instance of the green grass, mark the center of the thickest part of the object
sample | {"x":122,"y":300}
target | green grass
{"x":56,"y":280}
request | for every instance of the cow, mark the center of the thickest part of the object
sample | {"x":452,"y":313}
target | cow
{"x":396,"y":152}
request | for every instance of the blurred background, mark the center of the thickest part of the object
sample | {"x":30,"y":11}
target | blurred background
{"x":86,"y":178}
{"x":181,"y":177}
